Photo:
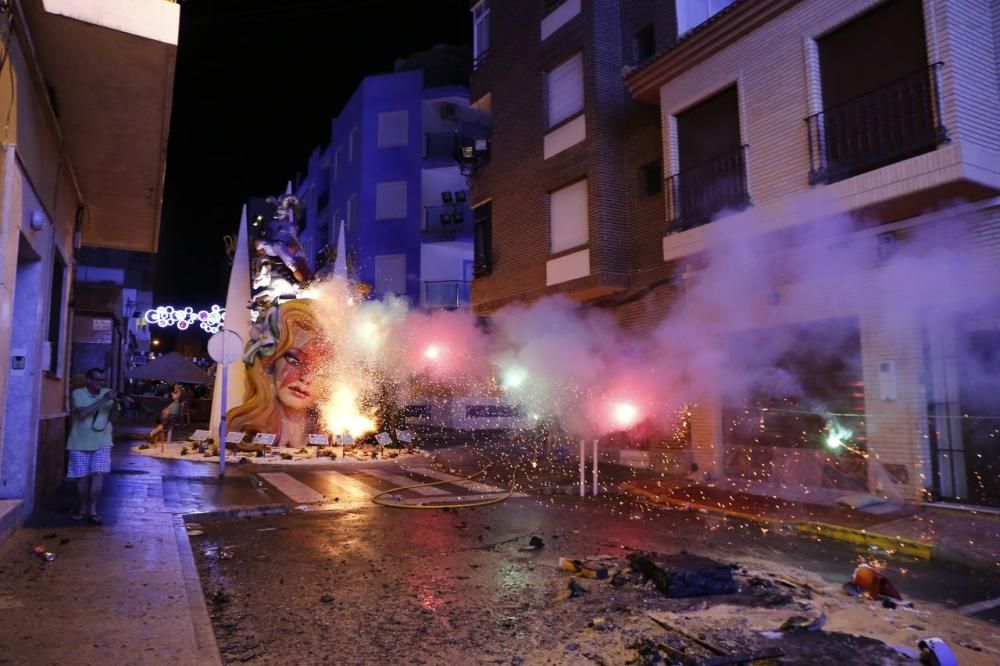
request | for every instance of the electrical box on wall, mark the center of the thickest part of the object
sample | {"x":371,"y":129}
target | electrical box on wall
{"x":18,"y":361}
{"x":887,"y":380}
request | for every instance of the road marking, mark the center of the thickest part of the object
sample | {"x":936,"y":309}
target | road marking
{"x":295,"y":490}
{"x":346,"y":486}
{"x":979,"y":606}
{"x":454,"y":480}
{"x":398,"y":480}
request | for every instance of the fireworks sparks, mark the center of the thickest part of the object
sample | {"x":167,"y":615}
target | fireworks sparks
{"x":626,"y":414}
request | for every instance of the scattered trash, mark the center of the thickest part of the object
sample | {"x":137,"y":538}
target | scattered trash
{"x":587,"y":569}
{"x":618,"y":579}
{"x":601,"y":624}
{"x":773,"y":635}
{"x":803,"y":623}
{"x":536,"y":542}
{"x":873,"y":584}
{"x":888,"y":603}
{"x":40,"y":551}
{"x":935,"y":652}
{"x":684,"y":575}
{"x":221,"y":552}
{"x":193,"y":526}
{"x":326,"y":599}
{"x":195,"y":532}
{"x":576,"y":590}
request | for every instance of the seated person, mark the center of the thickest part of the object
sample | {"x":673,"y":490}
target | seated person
{"x":168,"y":417}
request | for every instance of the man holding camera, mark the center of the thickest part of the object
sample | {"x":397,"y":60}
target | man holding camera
{"x":89,"y":443}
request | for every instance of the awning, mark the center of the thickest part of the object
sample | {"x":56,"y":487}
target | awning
{"x":173,"y":368}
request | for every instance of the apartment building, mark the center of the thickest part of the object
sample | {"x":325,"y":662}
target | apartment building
{"x":87,"y":89}
{"x":391,"y":184}
{"x":863,"y":169}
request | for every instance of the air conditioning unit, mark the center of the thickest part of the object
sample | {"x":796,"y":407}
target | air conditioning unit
{"x":449,"y":111}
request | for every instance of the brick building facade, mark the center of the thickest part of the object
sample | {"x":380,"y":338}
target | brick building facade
{"x":853,"y":179}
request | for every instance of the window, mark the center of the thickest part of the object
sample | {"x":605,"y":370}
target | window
{"x":323,"y":196}
{"x":480,"y":31}
{"x":652,"y":178}
{"x":352,"y":212}
{"x":645,"y":44}
{"x":692,"y":13}
{"x":568,"y":219}
{"x":390,"y":200}
{"x":880,"y":97}
{"x":390,"y":274}
{"x":393,"y":129}
{"x":55,"y":314}
{"x":337,"y":157}
{"x":352,"y":146}
{"x":482,"y":239}
{"x":564,"y":87}
{"x":712,"y":176}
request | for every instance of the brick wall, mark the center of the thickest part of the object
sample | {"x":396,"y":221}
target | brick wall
{"x":622,"y":135}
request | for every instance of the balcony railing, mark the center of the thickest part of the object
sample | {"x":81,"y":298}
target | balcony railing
{"x":449,"y":145}
{"x":696,"y":195}
{"x":447,"y":217}
{"x":887,"y":125}
{"x":449,"y":294}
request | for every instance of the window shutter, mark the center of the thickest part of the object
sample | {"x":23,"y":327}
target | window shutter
{"x":565,"y":90}
{"x":390,"y":200}
{"x":568,"y":217}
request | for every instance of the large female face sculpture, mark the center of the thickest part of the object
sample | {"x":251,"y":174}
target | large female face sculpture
{"x":295,"y":371}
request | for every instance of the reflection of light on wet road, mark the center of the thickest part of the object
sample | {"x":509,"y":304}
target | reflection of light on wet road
{"x":511,"y":578}
{"x":334,"y":484}
{"x":428,"y":596}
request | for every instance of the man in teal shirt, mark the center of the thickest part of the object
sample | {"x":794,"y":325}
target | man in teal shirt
{"x":89,"y":443}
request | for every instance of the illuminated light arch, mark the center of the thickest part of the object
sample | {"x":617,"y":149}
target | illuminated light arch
{"x":164,"y":316}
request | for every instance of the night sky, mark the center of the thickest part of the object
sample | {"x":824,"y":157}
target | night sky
{"x":257,"y":85}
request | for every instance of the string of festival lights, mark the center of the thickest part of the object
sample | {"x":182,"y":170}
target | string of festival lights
{"x":164,"y":316}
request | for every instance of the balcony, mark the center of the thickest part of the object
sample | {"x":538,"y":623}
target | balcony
{"x":447,"y":218}
{"x":696,"y":195}
{"x":110,"y":65}
{"x":893,"y":123}
{"x":447,"y":294}
{"x":449,"y":145}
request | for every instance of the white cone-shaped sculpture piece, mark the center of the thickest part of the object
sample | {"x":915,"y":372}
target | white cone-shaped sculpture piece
{"x":340,"y":263}
{"x":238,"y":321}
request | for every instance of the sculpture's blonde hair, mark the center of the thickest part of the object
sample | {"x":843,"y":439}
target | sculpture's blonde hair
{"x":259,"y":411}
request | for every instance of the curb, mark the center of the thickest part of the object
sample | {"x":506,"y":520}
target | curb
{"x":236,"y":512}
{"x":924,"y":551}
{"x":204,"y":634}
{"x":859,"y":537}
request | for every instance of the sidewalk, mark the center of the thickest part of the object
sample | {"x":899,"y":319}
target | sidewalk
{"x":125,"y":592}
{"x":935,"y":532}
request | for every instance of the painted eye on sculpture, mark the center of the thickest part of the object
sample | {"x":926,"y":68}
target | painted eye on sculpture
{"x":293,"y":360}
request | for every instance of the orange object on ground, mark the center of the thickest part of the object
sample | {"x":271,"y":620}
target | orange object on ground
{"x":873,"y":583}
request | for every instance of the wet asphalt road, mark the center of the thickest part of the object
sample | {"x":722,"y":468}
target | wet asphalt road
{"x":467,"y":571}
